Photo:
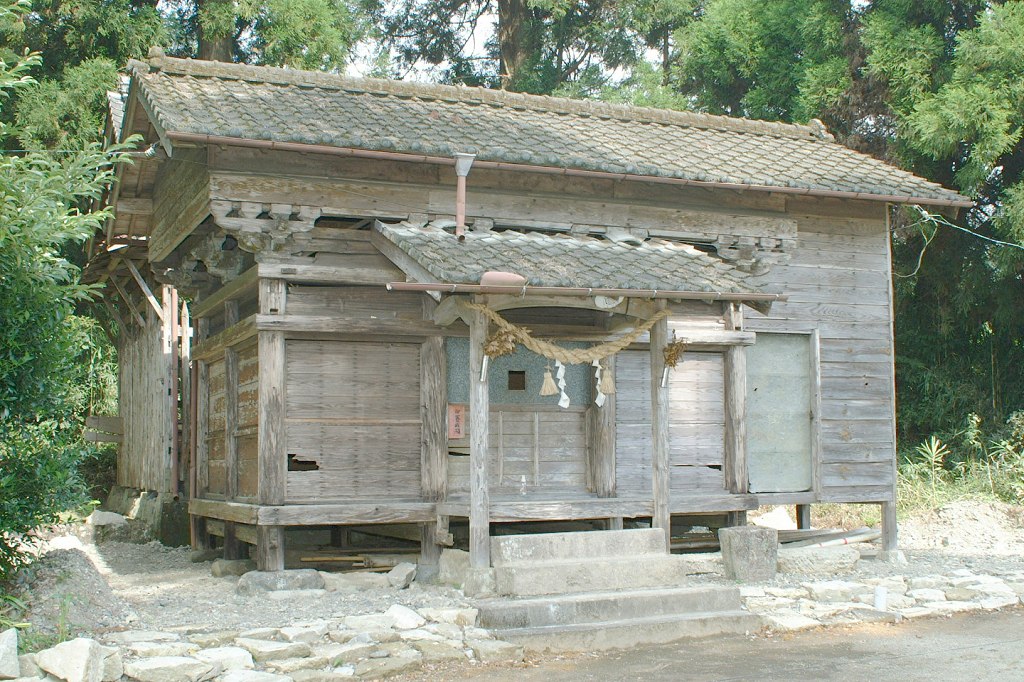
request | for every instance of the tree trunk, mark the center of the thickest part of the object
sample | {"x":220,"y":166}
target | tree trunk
{"x":512,"y":39}
{"x":214,"y":45}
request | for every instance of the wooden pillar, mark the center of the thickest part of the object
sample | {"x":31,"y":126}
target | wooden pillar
{"x":890,"y":539}
{"x":434,"y":454}
{"x":201,"y":479}
{"x":803,"y":516}
{"x":661,"y":481}
{"x":271,"y":454}
{"x":230,"y":407}
{"x":736,"y":477}
{"x":479,"y":414}
{"x":233,"y":547}
{"x":602,"y":442}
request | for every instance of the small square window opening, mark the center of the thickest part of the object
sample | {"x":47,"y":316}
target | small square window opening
{"x":516,"y":380}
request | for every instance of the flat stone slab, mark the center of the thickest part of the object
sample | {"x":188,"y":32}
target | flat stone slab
{"x":213,"y":639}
{"x":221,"y":568}
{"x":151,"y":649}
{"x":79,"y":660}
{"x":495,"y":650}
{"x":437,"y":652}
{"x":265,"y":650}
{"x":836,"y":590}
{"x":289,"y":665}
{"x":380,"y":668}
{"x":228,"y":657}
{"x":10,"y":667}
{"x":252,"y":676}
{"x":130,"y":636}
{"x":402,"y":575}
{"x":817,"y":560}
{"x":789,"y":622}
{"x":749,"y":553}
{"x":167,"y":669}
{"x":404,"y":618}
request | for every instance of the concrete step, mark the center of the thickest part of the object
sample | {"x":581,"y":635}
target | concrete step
{"x":590,"y":575}
{"x":517,"y":549}
{"x":599,"y":607}
{"x":633,"y":632}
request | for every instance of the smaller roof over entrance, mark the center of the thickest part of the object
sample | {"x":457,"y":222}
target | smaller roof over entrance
{"x":559,"y":260}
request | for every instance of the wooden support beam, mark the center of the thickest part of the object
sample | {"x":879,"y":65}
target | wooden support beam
{"x":347,"y":269}
{"x":108,"y":424}
{"x":202,"y":463}
{"x":230,"y":423}
{"x":141,"y":281}
{"x":272,"y":458}
{"x":128,"y":301}
{"x":735,"y":369}
{"x":479,"y":416}
{"x":602,"y":441}
{"x":234,"y":289}
{"x":890,"y":533}
{"x":232,"y":336}
{"x":803,"y":516}
{"x":661,"y":482}
{"x":234,"y":548}
{"x":413,"y":270}
{"x":345,"y":324}
{"x":434,"y":455}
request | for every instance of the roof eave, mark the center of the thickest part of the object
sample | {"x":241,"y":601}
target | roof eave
{"x":202,"y":138}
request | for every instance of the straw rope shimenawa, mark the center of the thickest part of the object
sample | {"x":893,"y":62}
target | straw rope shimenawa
{"x":508,"y":335}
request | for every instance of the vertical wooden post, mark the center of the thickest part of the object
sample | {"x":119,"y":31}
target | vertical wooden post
{"x":230,"y":408}
{"x":479,"y":414}
{"x":186,"y":450}
{"x":661,"y":483}
{"x":803,"y":516}
{"x":272,"y":458}
{"x":735,"y":368}
{"x":201,"y":479}
{"x":434,"y":453}
{"x":890,"y":534}
{"x":602,"y":443}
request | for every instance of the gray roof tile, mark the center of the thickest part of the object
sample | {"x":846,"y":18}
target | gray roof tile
{"x":264,"y":103}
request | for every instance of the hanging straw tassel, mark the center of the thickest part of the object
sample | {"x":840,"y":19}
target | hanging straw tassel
{"x":549,"y":387}
{"x":607,"y":385}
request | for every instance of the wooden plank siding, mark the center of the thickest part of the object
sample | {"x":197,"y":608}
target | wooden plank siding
{"x":353,"y":413}
{"x":838,"y":282}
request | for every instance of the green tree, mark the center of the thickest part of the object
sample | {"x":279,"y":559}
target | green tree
{"x":41,"y":340}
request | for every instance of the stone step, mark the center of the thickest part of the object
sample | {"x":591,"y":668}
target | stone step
{"x":598,"y":607}
{"x":589,"y":575}
{"x":517,"y":549}
{"x":624,"y":634}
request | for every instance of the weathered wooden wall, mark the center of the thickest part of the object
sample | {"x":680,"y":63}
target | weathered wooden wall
{"x":838,"y":282}
{"x":144,"y":361}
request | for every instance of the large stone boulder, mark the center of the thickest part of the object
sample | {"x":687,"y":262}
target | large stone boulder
{"x":402,"y":575}
{"x":10,"y":667}
{"x":258,"y":582}
{"x":749,"y":553}
{"x":81,"y":660}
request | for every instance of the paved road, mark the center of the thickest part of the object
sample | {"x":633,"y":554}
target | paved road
{"x":987,"y":647}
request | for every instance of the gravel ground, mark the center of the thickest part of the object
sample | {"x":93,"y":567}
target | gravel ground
{"x":115,"y":586}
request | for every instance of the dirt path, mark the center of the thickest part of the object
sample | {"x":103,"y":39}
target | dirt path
{"x":982,"y":648}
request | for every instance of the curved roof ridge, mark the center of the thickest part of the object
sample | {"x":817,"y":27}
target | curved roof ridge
{"x":456,"y":93}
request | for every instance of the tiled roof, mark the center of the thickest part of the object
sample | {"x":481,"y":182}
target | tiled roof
{"x":559,"y":260}
{"x":286,"y":105}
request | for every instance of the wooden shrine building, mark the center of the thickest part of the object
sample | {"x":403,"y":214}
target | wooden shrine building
{"x":423,"y":304}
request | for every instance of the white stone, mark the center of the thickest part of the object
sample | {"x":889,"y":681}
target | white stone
{"x":290,"y":665}
{"x":789,"y":622}
{"x":786,"y":592}
{"x":476,"y":633}
{"x":167,"y":669}
{"x":105,"y":518}
{"x":348,"y":653}
{"x":10,"y":667}
{"x":213,"y":639}
{"x":265,"y":650}
{"x":964,"y":573}
{"x":835,"y":590}
{"x":150,"y":649}
{"x":252,"y":676}
{"x":1017,"y":587}
{"x":944,"y":607}
{"x":892,"y":585}
{"x":303,"y":634}
{"x":766,"y":604}
{"x":402,"y":575}
{"x":131,"y":636}
{"x":993,"y":603}
{"x":814,"y":609}
{"x":446,"y":630}
{"x":495,"y":650}
{"x":385,"y":667}
{"x":892,"y":601}
{"x":113,"y":666}
{"x":260,"y":633}
{"x":80,"y":660}
{"x":465,"y":616}
{"x":916,"y":612}
{"x":404,"y":617}
{"x":227,"y":657}
{"x":419,"y":635}
{"x":994,"y":589}
{"x":29,"y":667}
{"x":927,"y":594}
{"x":751,"y":591}
{"x":817,"y":560}
{"x":778,"y":518}
{"x":930,"y":582}
{"x":370,"y":622}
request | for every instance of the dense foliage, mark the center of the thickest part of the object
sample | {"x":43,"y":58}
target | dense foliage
{"x":49,"y":359}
